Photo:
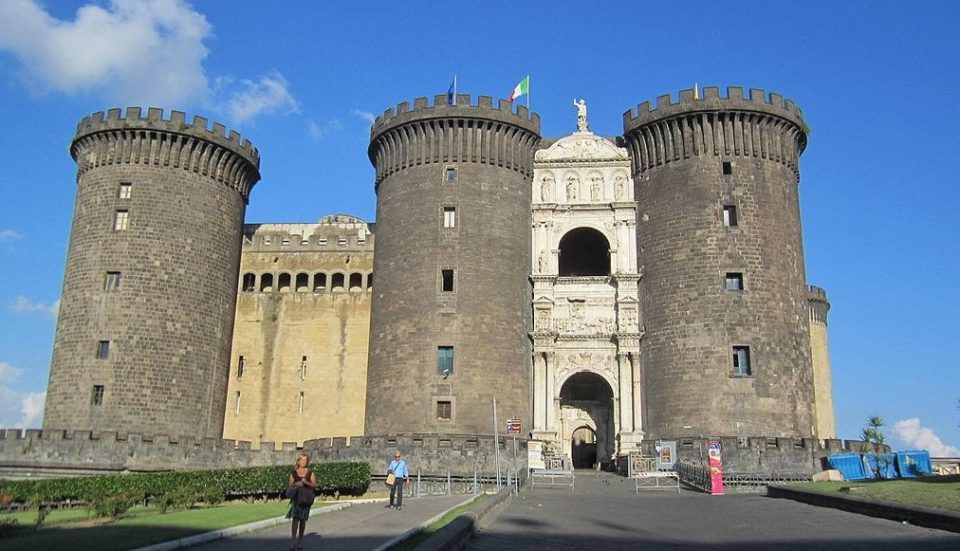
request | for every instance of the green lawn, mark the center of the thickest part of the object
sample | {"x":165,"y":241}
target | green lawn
{"x":923,"y":493}
{"x":142,"y":526}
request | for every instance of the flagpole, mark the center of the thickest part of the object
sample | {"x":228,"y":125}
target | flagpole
{"x":528,"y":94}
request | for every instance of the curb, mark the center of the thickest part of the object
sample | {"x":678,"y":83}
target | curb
{"x":206,"y":537}
{"x":413,"y":531}
{"x":458,"y":533}
{"x":918,"y":516}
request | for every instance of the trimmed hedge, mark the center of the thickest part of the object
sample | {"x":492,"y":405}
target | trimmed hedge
{"x":343,"y":478}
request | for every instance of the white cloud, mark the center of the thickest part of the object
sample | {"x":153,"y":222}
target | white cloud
{"x":147,"y":52}
{"x":915,"y":436}
{"x":365,"y":115}
{"x":269,"y":95}
{"x":8,"y":374}
{"x":23,"y":305}
{"x":9,"y":235}
{"x":18,"y":409}
{"x":319,"y":131}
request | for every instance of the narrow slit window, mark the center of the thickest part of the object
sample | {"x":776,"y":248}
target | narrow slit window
{"x":241,"y":364}
{"x":729,"y":215}
{"x":449,"y":217}
{"x":741,"y":361}
{"x":111,"y":282}
{"x":236,"y":405}
{"x":300,"y":403}
{"x":103,"y":350}
{"x":96,"y":397}
{"x":445,"y":360}
{"x":446,"y":283}
{"x":303,"y":368}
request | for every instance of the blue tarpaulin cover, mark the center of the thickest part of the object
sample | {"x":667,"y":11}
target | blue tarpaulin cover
{"x":850,"y":466}
{"x":914,"y":463}
{"x":886,"y":465}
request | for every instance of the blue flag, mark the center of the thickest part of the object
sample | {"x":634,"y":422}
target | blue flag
{"x":452,"y":92}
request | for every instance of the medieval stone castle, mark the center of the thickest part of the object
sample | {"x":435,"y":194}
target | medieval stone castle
{"x":607,"y":293}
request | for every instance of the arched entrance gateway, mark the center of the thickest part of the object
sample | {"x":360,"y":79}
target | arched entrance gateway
{"x":586,"y":416}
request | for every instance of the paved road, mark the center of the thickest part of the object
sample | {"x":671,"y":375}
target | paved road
{"x":360,"y":527}
{"x":605,"y":514}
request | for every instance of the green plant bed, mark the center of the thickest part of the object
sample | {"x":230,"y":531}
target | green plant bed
{"x":141,"y":526}
{"x":926,"y":492}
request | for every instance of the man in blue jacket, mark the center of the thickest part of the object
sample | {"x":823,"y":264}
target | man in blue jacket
{"x":399,"y":469}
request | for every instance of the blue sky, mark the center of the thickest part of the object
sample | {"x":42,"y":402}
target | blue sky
{"x":877,"y":82}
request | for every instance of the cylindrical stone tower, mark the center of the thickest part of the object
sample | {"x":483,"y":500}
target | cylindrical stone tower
{"x":726,"y":350}
{"x":146,"y":314}
{"x":820,"y":355}
{"x":451,"y":300}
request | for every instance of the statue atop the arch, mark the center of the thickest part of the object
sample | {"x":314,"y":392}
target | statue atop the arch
{"x":581,"y":106}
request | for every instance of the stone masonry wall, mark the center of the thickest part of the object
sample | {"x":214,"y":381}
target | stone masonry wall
{"x":478,"y":160}
{"x":167,"y":321}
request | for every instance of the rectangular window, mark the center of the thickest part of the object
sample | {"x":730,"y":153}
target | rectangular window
{"x":121,"y":220}
{"x":727,"y":168}
{"x":266,"y":239}
{"x":741,"y":361}
{"x":236,"y":406}
{"x":285,"y":241}
{"x":450,"y":174}
{"x":103,"y":350}
{"x":322,"y":241}
{"x":342,"y":241}
{"x":96,"y":397}
{"x":445,"y":360}
{"x":124,"y":191}
{"x":729,"y":215}
{"x":112,"y":281}
{"x":446,"y":281}
{"x":734,"y":281}
{"x":300,"y":403}
{"x":449,"y":217}
{"x":444,"y":410}
{"x":303,"y":368}
{"x":241,"y":363}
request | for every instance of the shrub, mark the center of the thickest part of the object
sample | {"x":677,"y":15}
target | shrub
{"x":114,"y":506}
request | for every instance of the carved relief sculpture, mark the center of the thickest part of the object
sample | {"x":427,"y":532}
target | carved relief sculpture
{"x":572,"y":182}
{"x":595,"y":188}
{"x":618,"y":187}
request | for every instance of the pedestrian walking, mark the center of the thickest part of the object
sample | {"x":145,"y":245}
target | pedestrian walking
{"x":398,"y":468}
{"x":301,"y":486}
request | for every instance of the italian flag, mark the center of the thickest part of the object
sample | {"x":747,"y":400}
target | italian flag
{"x":522,"y":87}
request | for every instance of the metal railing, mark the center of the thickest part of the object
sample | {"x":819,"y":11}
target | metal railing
{"x":422,"y":484}
{"x":698,"y":477}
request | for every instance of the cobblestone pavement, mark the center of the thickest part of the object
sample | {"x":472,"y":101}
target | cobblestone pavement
{"x":605,"y":514}
{"x":360,"y":527}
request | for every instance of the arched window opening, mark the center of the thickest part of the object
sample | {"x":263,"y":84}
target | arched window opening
{"x":319,"y":283}
{"x":584,"y":252}
{"x":249,"y":282}
{"x":370,"y":281}
{"x":586,"y":387}
{"x":283,"y":283}
{"x":302,"y":283}
{"x":336,"y":282}
{"x":356,"y":281}
{"x":266,"y":283}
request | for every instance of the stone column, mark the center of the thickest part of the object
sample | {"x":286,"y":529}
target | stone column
{"x":625,"y":378}
{"x":540,"y":396}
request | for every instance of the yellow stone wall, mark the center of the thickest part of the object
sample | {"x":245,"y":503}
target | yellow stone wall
{"x":295,"y":338}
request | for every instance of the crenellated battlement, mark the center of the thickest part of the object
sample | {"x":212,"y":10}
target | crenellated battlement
{"x":818,"y":303}
{"x":711,"y":100}
{"x":464,"y":108}
{"x":117,"y":119}
{"x":424,"y":134}
{"x":758,"y":125}
{"x":126,"y":137}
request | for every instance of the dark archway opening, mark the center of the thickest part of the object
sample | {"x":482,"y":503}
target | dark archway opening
{"x":584,"y":252}
{"x":590,"y":394}
{"x":583,"y":448}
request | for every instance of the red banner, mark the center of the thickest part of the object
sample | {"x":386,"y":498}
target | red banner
{"x":715,"y":462}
